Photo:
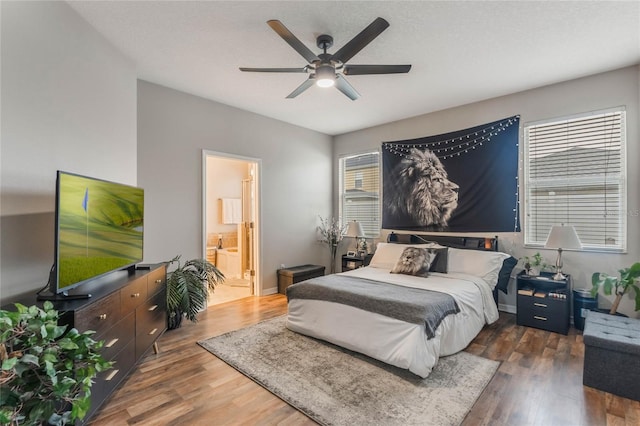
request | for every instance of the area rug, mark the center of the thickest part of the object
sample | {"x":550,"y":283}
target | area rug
{"x":334,"y":386}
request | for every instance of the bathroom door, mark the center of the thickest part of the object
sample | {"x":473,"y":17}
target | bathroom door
{"x":248,"y":220}
{"x":226,"y":175}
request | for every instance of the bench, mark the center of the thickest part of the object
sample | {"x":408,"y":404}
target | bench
{"x":612,"y":354}
{"x":288,"y":276}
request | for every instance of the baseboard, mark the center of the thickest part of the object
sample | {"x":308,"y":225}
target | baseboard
{"x":269,"y":291}
{"x":507,"y":308}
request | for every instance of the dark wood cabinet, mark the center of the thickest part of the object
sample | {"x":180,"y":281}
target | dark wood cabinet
{"x":543,"y":302}
{"x":129,"y":320}
{"x":350,"y":263}
{"x":127,"y":310}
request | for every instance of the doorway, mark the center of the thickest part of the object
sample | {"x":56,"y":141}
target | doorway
{"x":230,"y":223}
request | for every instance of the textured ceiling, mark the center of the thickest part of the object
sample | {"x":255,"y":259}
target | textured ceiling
{"x":461,"y":52}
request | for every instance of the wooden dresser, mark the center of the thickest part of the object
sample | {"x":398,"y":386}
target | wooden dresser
{"x":129,"y":320}
{"x":127,"y":309}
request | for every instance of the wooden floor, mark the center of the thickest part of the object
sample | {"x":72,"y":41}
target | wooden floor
{"x":538,"y":383}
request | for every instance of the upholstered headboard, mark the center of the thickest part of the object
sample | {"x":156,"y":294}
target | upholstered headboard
{"x":473,"y":243}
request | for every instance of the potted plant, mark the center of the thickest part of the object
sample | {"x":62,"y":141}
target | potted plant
{"x":188,"y":287}
{"x":47,"y":371}
{"x":628,"y":280}
{"x":534,"y":264}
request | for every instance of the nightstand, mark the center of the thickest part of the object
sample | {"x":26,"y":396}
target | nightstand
{"x":350,"y":263}
{"x":543,"y":302}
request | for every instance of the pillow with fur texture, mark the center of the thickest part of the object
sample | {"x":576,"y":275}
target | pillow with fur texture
{"x":414,"y":261}
{"x":387,"y":254}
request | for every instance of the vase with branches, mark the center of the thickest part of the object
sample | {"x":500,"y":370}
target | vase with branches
{"x":331,"y":232}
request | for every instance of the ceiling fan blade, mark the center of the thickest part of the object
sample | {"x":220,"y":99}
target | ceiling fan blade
{"x":357,"y":43}
{"x":375,"y":69}
{"x":293,"y":41}
{"x":343,"y":85}
{"x":303,"y":69}
{"x":304,"y":86}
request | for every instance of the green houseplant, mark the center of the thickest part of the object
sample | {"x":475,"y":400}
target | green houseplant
{"x":628,"y":280}
{"x":534,"y":264}
{"x":188,"y":287}
{"x":47,"y":371}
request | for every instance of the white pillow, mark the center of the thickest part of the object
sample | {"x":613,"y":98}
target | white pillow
{"x":387,"y":254}
{"x":483,"y":264}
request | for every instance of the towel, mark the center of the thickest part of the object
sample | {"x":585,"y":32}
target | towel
{"x":231,"y":210}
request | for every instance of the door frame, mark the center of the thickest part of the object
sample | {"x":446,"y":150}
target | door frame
{"x":257,"y":291}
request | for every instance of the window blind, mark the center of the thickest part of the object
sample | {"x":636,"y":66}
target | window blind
{"x":360,"y":191}
{"x":575,"y":174}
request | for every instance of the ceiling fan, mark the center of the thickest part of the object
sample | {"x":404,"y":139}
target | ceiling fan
{"x":327,"y":69}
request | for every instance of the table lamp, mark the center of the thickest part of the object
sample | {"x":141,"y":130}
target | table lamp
{"x":354,"y":230}
{"x":560,"y":237}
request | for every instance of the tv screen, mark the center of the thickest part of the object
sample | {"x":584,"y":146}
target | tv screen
{"x":99,"y":228}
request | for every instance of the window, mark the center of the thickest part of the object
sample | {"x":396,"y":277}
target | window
{"x":358,"y":180}
{"x":575,"y":174}
{"x":360,"y":191}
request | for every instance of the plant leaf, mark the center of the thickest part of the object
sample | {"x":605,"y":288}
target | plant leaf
{"x":30,"y":359}
{"x":9,"y":363}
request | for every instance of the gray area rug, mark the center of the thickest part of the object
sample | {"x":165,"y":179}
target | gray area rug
{"x":334,"y":386}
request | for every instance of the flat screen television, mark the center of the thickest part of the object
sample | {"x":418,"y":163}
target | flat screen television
{"x":98,"y":230}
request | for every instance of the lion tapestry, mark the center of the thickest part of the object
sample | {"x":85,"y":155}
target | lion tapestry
{"x":464,"y":181}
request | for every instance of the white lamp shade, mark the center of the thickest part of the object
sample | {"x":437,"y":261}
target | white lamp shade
{"x":564,"y":237}
{"x":354,"y":229}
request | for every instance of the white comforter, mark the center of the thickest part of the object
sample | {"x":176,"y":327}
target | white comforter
{"x":396,"y":342}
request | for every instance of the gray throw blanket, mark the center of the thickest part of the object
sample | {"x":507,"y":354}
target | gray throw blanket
{"x":408,"y":304}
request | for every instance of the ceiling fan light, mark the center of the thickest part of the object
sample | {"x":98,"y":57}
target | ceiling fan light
{"x":325,"y":76}
{"x":325,"y":82}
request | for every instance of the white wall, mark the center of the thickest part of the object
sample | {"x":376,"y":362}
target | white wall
{"x":68,"y":103}
{"x":295,"y":177}
{"x":620,"y":87}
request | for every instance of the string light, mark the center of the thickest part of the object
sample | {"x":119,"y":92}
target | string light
{"x":453,"y":147}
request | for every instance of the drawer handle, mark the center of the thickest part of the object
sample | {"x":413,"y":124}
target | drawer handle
{"x":539,"y":318}
{"x":102,"y":317}
{"x":542,"y":305}
{"x":111,"y":343}
{"x":152,"y":332}
{"x":158,"y":281}
{"x":111,"y":375}
{"x":135,"y":295}
{"x":153,"y":308}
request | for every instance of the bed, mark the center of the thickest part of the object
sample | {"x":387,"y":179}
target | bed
{"x":381,"y":314}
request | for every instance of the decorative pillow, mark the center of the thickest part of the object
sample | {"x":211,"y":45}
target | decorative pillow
{"x":505,"y":273}
{"x":387,"y":254}
{"x":483,"y":264}
{"x":414,"y":261}
{"x":440,"y":262}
